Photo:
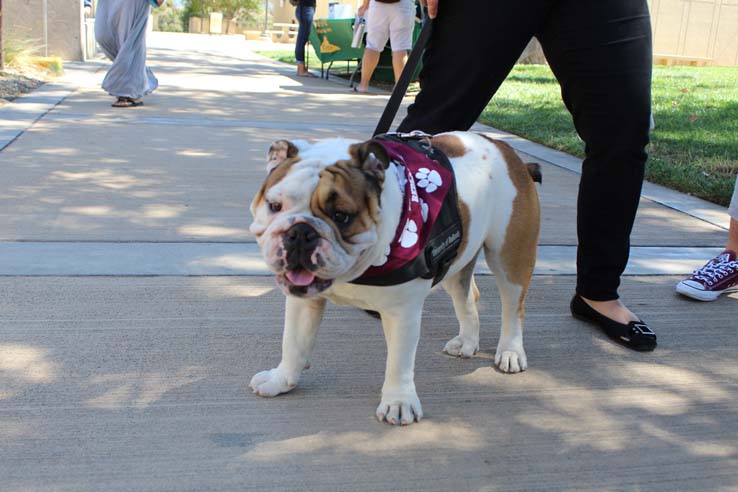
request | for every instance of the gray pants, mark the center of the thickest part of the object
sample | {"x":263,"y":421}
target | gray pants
{"x":733,"y":208}
{"x":120,"y":30}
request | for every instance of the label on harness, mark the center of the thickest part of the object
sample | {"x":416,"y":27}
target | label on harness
{"x":439,"y":250}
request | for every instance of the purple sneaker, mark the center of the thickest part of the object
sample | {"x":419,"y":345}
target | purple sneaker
{"x":717,"y":276}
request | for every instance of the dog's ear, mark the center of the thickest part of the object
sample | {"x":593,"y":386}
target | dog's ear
{"x":371,"y":158}
{"x":280,"y":151}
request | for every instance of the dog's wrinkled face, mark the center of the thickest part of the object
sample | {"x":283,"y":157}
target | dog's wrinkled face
{"x":316,"y":215}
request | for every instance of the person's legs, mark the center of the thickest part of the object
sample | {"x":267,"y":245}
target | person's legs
{"x":733,"y":211}
{"x":733,"y":236}
{"x":368,"y":65}
{"x":600,"y":51}
{"x":399,"y":59}
{"x":377,"y":34}
{"x":473,"y":47}
{"x":720,"y":274}
{"x":402,"y":25}
{"x":305,"y":20}
{"x":121,"y":32}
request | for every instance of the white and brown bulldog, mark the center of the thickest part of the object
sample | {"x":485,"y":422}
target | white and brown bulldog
{"x":329,"y":211}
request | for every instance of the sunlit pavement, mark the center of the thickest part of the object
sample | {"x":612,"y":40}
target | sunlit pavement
{"x":134,"y":309}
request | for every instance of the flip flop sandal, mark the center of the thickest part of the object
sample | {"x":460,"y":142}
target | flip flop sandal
{"x":635,"y":335}
{"x":126,"y":102}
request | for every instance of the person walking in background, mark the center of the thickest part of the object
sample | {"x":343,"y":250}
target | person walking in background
{"x":601,"y":54}
{"x":392,"y":20}
{"x":304,"y":12}
{"x":720,"y":274}
{"x":120,"y":30}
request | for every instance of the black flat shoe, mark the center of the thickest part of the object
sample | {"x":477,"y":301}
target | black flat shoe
{"x":635,"y":335}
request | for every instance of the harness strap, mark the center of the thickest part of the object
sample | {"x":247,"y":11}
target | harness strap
{"x":446,"y":233}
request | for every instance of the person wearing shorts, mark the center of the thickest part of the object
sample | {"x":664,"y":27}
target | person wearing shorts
{"x":386,"y":21}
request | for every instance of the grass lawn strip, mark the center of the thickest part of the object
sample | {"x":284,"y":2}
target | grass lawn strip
{"x":694,"y":147}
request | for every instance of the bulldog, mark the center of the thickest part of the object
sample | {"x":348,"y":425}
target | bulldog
{"x":329,"y":212}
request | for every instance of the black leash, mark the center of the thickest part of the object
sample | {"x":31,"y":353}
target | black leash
{"x":385,"y":121}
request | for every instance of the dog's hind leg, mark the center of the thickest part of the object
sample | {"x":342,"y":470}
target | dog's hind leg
{"x":465,"y":295}
{"x":512,"y":284}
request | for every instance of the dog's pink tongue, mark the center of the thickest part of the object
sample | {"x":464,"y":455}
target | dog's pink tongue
{"x":300,"y":277}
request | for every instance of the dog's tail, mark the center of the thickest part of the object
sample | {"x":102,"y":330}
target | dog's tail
{"x":534,"y":169}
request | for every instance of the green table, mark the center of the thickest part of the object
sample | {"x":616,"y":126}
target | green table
{"x":331,"y":40}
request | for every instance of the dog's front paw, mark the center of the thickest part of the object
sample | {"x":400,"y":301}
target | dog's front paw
{"x":462,"y":346}
{"x":511,"y":357}
{"x":400,"y":408}
{"x":271,"y":382}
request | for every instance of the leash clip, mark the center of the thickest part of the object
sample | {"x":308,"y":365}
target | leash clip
{"x":420,"y":137}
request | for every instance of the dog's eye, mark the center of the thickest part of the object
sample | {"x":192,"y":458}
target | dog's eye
{"x":275,"y":207}
{"x":342,"y":219}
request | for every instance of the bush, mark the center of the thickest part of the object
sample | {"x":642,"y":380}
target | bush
{"x":244,"y":11}
{"x":19,"y":51}
{"x":170,"y":18}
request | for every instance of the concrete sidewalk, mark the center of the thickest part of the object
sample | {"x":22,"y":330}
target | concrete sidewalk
{"x":134,"y":309}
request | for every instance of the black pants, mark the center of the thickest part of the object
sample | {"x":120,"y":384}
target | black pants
{"x":600,"y":52}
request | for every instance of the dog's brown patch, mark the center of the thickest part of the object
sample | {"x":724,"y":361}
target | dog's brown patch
{"x":451,"y":145}
{"x":280,"y":151}
{"x":344,"y":187}
{"x":521,"y":239}
{"x":276,"y":175}
{"x":465,"y":216}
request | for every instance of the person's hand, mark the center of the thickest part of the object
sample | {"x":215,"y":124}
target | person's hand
{"x":362,"y":10}
{"x":432,"y":7}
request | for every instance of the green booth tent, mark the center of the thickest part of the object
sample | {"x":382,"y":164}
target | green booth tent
{"x":331,"y":40}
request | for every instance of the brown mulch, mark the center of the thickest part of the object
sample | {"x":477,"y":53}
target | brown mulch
{"x":14,"y":84}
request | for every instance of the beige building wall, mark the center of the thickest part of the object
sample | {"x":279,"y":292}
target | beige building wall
{"x":706,"y":29}
{"x":24,"y":19}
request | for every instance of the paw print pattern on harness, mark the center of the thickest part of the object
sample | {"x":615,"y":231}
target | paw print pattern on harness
{"x":430,"y":180}
{"x":410,"y":235}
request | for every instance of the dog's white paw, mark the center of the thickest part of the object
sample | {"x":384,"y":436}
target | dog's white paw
{"x":461,"y":346}
{"x":271,"y":382}
{"x":511,"y":358}
{"x":400,"y":408}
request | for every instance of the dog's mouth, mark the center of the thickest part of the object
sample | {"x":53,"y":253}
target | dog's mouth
{"x":302,"y":282}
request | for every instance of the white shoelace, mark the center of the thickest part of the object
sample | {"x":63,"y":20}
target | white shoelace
{"x":715,"y":271}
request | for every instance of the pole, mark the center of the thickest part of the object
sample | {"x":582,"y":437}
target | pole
{"x":264,"y":34}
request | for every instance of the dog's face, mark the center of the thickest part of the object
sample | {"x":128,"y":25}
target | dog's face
{"x":317,"y":214}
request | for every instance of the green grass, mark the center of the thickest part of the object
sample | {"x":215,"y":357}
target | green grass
{"x":284,"y":55}
{"x":694,"y":147}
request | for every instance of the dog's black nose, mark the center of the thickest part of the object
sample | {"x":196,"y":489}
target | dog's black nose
{"x":300,"y":241}
{"x":302,"y":236}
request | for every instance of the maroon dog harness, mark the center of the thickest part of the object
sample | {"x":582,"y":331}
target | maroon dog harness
{"x":429,"y":231}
